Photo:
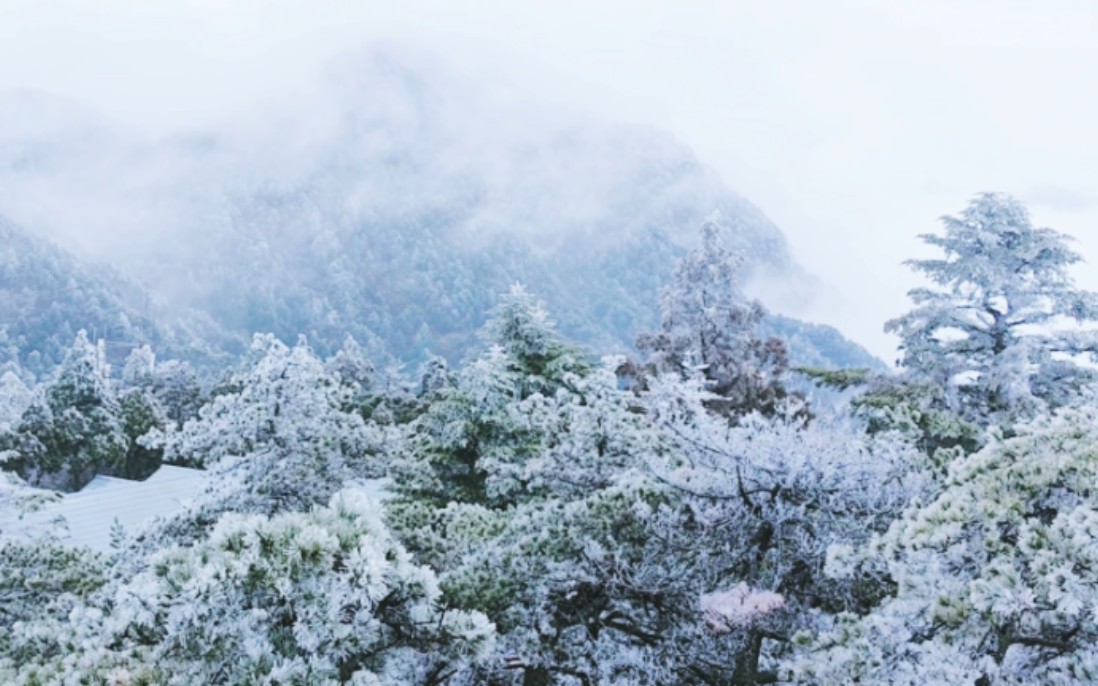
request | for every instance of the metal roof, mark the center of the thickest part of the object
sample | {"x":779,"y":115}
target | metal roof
{"x":90,"y":512}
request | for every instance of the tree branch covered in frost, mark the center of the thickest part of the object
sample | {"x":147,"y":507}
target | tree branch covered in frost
{"x":737,"y":607}
{"x":285,"y":438}
{"x":322,"y":597}
{"x":772,"y":496}
{"x":995,"y":575}
{"x":994,"y":334}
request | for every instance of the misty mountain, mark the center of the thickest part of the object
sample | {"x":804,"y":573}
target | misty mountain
{"x":393,"y":202}
{"x":46,"y":296}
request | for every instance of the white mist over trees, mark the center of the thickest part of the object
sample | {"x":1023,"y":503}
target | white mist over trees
{"x":537,"y":516}
{"x":391,"y":201}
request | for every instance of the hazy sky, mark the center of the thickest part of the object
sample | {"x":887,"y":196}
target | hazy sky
{"x":852,"y":124}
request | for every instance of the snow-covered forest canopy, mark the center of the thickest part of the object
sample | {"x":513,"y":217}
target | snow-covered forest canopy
{"x":548,"y":343}
{"x":700,"y":509}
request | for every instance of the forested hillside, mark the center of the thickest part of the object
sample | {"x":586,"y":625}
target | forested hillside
{"x":392,"y":203}
{"x":552,"y":518}
{"x":46,"y":296}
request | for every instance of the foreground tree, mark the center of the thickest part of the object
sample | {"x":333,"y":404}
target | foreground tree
{"x":992,"y":334}
{"x":41,"y":582}
{"x":769,"y":496}
{"x":72,"y":430}
{"x":995,"y":576}
{"x":281,"y":437}
{"x":326,"y":597}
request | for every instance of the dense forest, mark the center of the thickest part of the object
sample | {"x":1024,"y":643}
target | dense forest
{"x":679,"y":513}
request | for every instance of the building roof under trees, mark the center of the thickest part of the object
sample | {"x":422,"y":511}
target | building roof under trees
{"x":90,"y":513}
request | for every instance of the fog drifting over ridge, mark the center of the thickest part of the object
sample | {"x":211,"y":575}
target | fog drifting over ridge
{"x":852,"y":125}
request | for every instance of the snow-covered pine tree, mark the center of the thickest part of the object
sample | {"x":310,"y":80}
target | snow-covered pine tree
{"x":709,"y":327}
{"x":40,"y":581}
{"x":476,"y":435}
{"x":280,"y":438}
{"x":14,"y":399}
{"x":999,"y":332}
{"x":139,"y":367}
{"x":525,"y":333}
{"x":994,"y":576}
{"x":139,"y":413}
{"x":72,"y":430}
{"x":352,"y":369}
{"x":322,"y":597}
{"x":176,"y":388}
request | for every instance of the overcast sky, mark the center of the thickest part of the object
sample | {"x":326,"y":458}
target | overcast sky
{"x":853,"y":124}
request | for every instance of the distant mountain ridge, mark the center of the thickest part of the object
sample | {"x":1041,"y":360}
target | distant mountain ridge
{"x":393,"y":203}
{"x":47,"y":295}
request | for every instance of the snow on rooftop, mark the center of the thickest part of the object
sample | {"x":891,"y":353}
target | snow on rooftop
{"x":90,"y":512}
{"x":378,"y":489}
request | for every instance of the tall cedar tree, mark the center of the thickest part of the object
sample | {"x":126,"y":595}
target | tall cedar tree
{"x":994,"y":332}
{"x":708,"y":326}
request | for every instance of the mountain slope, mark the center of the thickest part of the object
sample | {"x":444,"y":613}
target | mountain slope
{"x":393,"y":202}
{"x":46,"y":296}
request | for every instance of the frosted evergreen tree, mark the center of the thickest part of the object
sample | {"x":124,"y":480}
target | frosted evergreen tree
{"x":283,"y":440}
{"x":994,"y":577}
{"x":72,"y":431}
{"x":479,"y":428}
{"x":709,"y":327}
{"x":140,"y":413}
{"x":176,"y":388}
{"x":323,"y":597}
{"x":999,"y":332}
{"x":15,"y":397}
{"x":434,"y":376}
{"x":352,"y":368}
{"x":139,"y":368}
{"x":523,"y":331}
{"x":41,"y":581}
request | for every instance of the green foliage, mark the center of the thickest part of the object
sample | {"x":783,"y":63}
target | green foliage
{"x":839,"y":379}
{"x":40,"y":580}
{"x":73,"y":431}
{"x":475,"y":437}
{"x":140,"y":414}
{"x":917,"y":412}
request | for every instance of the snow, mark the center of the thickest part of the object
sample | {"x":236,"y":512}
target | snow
{"x":91,"y":512}
{"x":375,"y":489}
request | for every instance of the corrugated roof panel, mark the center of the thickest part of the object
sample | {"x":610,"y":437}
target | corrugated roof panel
{"x":91,"y":512}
